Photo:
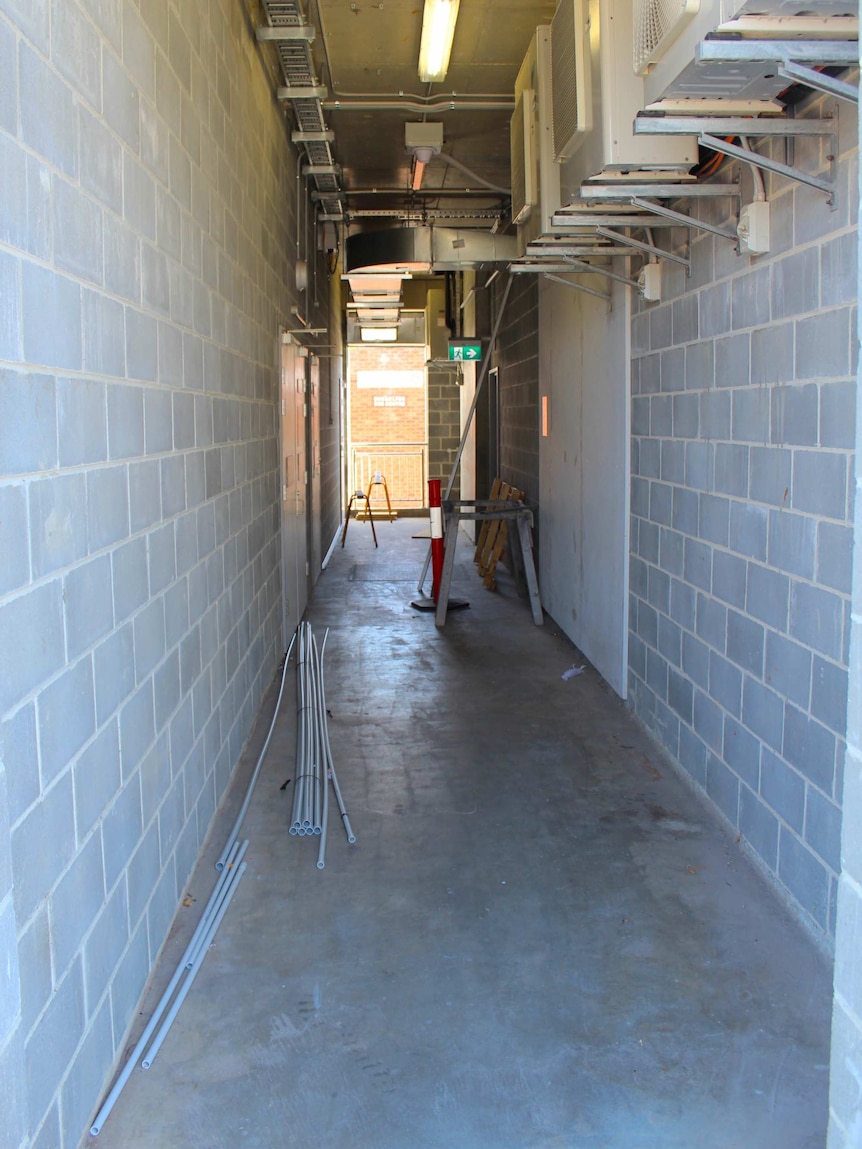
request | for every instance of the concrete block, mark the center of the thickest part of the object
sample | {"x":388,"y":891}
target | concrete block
{"x":659,"y":502}
{"x":731,"y":469}
{"x":699,"y":465}
{"x":101,"y":170}
{"x":89,"y":1069}
{"x":114,"y":671}
{"x":143,"y":874}
{"x":804,"y":875}
{"x":77,"y":52}
{"x":649,"y":457}
{"x":14,"y":543}
{"x":82,"y":419}
{"x":751,"y":410}
{"x":748,"y":530}
{"x":162,"y":557}
{"x":51,"y":315}
{"x":77,"y":232}
{"x":183,"y":421}
{"x":66,"y":711}
{"x":823,"y":828}
{"x":829,"y":695}
{"x":672,"y":369}
{"x":685,"y":318}
{"x":669,"y":640}
{"x":176,"y":612}
{"x":138,"y":50}
{"x":733,"y":360}
{"x":715,"y":313}
{"x":834,"y":556}
{"x":122,"y":259}
{"x":8,"y":81}
{"x":204,"y":421}
{"x":96,"y":777}
{"x":671,"y":545}
{"x":136,"y":727}
{"x":816,"y":619}
{"x":122,"y":108}
{"x":722,"y":785}
{"x":794,"y":415}
{"x":104,"y":334}
{"x":139,"y":198}
{"x":686,"y":410}
{"x":695,"y":659}
{"x":751,"y":297}
{"x":745,"y":643}
{"x":788,"y":668}
{"x":763,"y":712}
{"x":10,"y":312}
{"x":640,"y":491}
{"x":656,"y":674}
{"x":637,"y":655}
{"x":707,"y":720}
{"x":155,"y":284}
{"x":700,"y":366}
{"x":35,"y":869}
{"x":714,"y":519}
{"x":791,"y":543}
{"x":768,"y":595}
{"x":838,"y":271}
{"x":75,"y":902}
{"x":838,"y":414}
{"x":683,"y":600}
{"x":711,"y":621}
{"x":36,"y":611}
{"x":772,"y":354}
{"x":782,"y":788}
{"x":741,"y":752}
{"x":173,"y":480}
{"x":128,"y":984}
{"x":121,"y":829}
{"x":209,"y":627}
{"x":162,"y":907}
{"x":823,"y":345}
{"x":661,"y":416}
{"x":144,"y":494}
{"x":142,"y":361}
{"x":672,"y":461}
{"x":640,"y":333}
{"x":729,"y":573}
{"x":182,"y":290}
{"x":125,"y":421}
{"x":187,"y":542}
{"x":809,"y":747}
{"x":182,"y":736}
{"x":107,"y":507}
{"x":170,"y":355}
{"x":166,"y":688}
{"x":19,"y":756}
{"x":171,"y":819}
{"x":149,"y":627}
{"x":87,"y":592}
{"x":759,"y":827}
{"x":52,"y":1043}
{"x":685,"y":511}
{"x":130,"y":577}
{"x":796,"y":283}
{"x":48,"y":112}
{"x":34,"y":967}
{"x":698,"y":564}
{"x":770,"y":470}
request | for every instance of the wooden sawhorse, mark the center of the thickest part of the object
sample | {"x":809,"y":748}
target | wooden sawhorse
{"x":456,"y":510}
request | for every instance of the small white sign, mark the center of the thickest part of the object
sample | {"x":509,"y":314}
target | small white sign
{"x":390,"y":400}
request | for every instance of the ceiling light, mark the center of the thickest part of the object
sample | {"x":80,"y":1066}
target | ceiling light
{"x":438,"y":32}
{"x":378,"y":334}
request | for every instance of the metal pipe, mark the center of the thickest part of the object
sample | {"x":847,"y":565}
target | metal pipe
{"x":234,"y":834}
{"x":321,"y":853}
{"x":213,"y":909}
{"x":233,"y":882}
{"x":126,"y":1072}
{"x":438,"y":105}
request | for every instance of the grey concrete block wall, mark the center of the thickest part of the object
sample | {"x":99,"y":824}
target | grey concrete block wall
{"x":517,"y":357}
{"x":743,"y":387}
{"x":145,"y":207}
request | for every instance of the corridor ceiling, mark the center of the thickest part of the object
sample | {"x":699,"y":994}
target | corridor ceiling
{"x":365,"y":52}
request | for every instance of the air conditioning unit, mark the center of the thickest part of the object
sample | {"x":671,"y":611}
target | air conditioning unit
{"x":571,"y":69}
{"x":522,"y":140}
{"x":532,"y":127}
{"x":674,"y":82}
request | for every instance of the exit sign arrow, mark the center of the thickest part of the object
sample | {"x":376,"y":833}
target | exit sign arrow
{"x":462,"y":351}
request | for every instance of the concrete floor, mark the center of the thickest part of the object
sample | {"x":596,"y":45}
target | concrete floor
{"x":540,"y":939}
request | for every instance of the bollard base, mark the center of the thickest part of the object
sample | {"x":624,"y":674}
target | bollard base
{"x":428,"y":604}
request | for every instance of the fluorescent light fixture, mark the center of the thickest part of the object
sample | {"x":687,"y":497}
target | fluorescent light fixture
{"x":438,"y":32}
{"x":378,"y":334}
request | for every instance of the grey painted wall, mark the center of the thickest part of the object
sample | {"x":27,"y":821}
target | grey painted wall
{"x":146,"y":250}
{"x":743,"y":416}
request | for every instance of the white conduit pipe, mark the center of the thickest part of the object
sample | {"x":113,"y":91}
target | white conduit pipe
{"x":232,"y":884}
{"x":321,"y":722}
{"x":126,"y":1072}
{"x":348,"y":829}
{"x":234,"y":834}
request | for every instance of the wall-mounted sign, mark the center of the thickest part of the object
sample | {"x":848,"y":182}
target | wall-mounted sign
{"x":390,"y":400}
{"x":463,"y":351}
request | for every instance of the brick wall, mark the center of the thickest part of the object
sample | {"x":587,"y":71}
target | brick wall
{"x":743,"y":418}
{"x":146,"y":212}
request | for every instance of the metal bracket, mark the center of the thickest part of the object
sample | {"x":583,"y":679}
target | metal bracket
{"x":801,"y":74}
{"x":749,"y":157}
{"x":730,"y":126}
{"x":650,"y":248}
{"x":621,"y":191}
{"x":305,"y":92}
{"x":579,"y":265}
{"x":841,"y":53}
{"x":286,"y":32}
{"x":683,"y":220}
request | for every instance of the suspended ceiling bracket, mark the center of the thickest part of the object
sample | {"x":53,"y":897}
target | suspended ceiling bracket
{"x":649,"y":248}
{"x":800,"y":74}
{"x":747,"y":156}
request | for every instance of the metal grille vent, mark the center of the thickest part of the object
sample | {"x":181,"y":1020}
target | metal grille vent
{"x":523,"y":157}
{"x":570,"y":76}
{"x":657,"y":23}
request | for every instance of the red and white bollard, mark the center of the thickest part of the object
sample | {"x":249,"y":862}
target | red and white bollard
{"x":436,"y":510}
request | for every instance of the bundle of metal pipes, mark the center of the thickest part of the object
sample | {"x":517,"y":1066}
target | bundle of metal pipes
{"x":314,"y":765}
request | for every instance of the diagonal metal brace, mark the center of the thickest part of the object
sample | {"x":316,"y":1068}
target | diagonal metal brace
{"x":749,"y":157}
{"x":578,"y":286}
{"x":581,"y":265}
{"x":683,"y":220}
{"x":801,"y":74}
{"x":651,"y":248}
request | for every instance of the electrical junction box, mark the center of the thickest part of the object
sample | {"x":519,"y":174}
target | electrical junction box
{"x":427,"y":135}
{"x":649,"y":282}
{"x":753,"y":230}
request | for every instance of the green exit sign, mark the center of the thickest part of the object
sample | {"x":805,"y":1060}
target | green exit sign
{"x":462,"y":351}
